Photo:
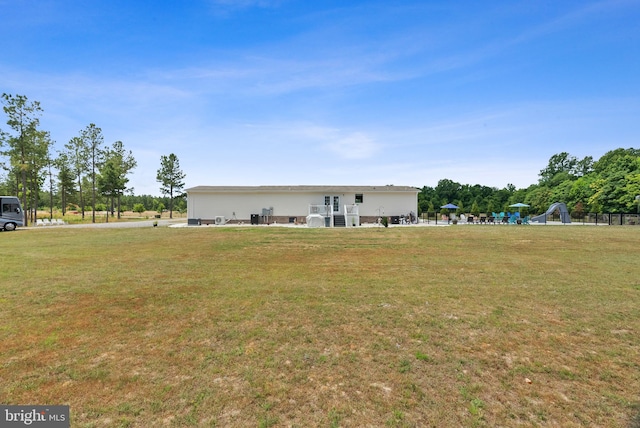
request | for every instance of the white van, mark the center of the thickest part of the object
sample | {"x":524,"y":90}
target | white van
{"x":11,"y":215}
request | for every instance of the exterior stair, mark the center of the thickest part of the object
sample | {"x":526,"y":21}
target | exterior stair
{"x":339,"y":221}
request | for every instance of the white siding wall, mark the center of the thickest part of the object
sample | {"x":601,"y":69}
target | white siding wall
{"x":243,"y":204}
{"x":387,"y":203}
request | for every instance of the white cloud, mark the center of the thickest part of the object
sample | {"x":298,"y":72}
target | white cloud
{"x":355,"y":145}
{"x":224,"y":8}
{"x":343,"y":144}
{"x":239,"y":4}
{"x":340,"y":97}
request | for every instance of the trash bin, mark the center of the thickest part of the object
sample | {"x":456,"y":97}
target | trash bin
{"x":255,"y":218}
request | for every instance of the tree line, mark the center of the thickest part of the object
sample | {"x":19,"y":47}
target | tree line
{"x":610,"y":184}
{"x":85,"y":174}
{"x":88,"y":175}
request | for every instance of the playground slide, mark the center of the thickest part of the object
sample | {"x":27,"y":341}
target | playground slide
{"x":564,"y":213}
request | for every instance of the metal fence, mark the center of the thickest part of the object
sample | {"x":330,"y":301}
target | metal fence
{"x":610,"y":219}
{"x":606,"y":219}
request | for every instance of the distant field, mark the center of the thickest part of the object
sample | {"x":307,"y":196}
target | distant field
{"x":260,"y":327}
{"x":75,"y":217}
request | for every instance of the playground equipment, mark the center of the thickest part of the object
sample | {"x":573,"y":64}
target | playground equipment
{"x":560,"y":206}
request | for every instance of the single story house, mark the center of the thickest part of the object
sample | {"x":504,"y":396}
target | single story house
{"x":330,"y":205}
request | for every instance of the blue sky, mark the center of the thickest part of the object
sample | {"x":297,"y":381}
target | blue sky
{"x":283,"y":92}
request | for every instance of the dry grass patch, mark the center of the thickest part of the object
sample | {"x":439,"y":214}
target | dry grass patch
{"x":458,"y":326}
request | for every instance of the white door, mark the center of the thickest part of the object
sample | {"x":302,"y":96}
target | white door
{"x":333,"y":202}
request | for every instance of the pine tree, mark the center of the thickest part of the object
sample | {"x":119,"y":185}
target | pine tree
{"x":171,"y":178}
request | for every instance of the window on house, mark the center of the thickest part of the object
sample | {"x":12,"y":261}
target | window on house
{"x":359,"y":198}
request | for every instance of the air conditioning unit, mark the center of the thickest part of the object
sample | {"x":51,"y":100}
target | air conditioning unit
{"x":220,"y":220}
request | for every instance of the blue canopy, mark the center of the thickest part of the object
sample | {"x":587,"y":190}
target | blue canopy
{"x":519,"y":205}
{"x":450,"y":206}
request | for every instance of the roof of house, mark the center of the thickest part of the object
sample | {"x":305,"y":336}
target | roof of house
{"x":300,"y":189}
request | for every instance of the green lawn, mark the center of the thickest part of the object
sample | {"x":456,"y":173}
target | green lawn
{"x":434,"y":326}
